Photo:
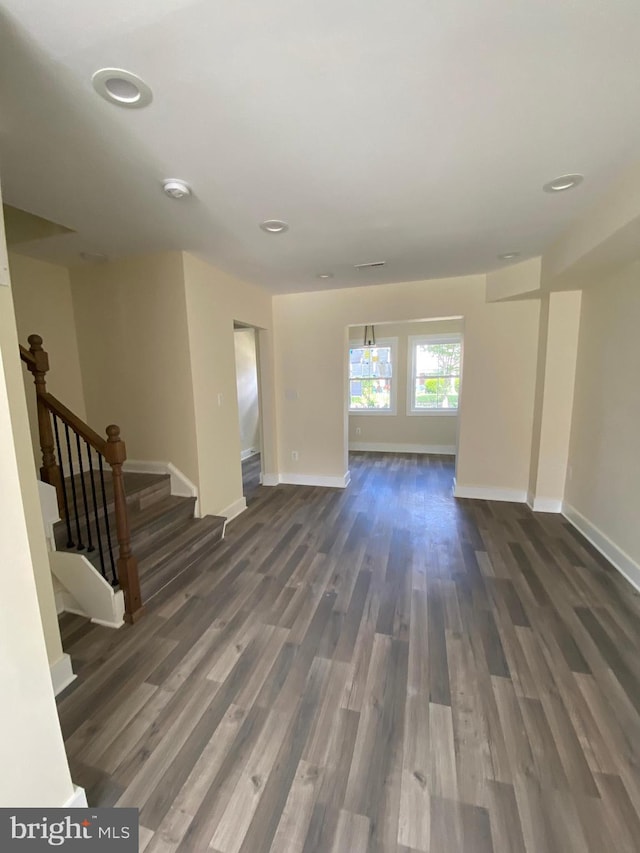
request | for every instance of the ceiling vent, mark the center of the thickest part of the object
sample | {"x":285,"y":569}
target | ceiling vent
{"x":370,"y":265}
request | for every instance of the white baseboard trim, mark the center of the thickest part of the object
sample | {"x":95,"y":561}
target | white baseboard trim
{"x":307,"y":480}
{"x":625,"y":564}
{"x":490,"y":493}
{"x":247,"y":454}
{"x":181,"y":485}
{"x":316,"y":480}
{"x":78,"y":800}
{"x":394,"y":447}
{"x":545,"y":504}
{"x":233,"y":510}
{"x":107,"y":624}
{"x":62,"y":674}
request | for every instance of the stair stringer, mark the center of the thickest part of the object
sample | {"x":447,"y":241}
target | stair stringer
{"x":95,"y":597}
{"x":87,"y":592}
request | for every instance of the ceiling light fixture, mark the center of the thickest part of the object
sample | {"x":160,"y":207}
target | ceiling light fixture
{"x":94,"y":257}
{"x":175,"y":188}
{"x":508,"y":256}
{"x":122,"y":88}
{"x":325,"y":275}
{"x":563,"y":182}
{"x":274,"y":226}
{"x":370,"y":265}
{"x":369,"y":336}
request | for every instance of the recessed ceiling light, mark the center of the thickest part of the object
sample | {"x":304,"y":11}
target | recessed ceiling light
{"x":508,"y":256}
{"x":274,"y":226}
{"x":564,"y":182}
{"x":325,"y":275}
{"x":175,"y":188}
{"x":122,"y":88}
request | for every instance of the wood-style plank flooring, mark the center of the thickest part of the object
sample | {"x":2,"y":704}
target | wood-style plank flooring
{"x":251,"y":469}
{"x":382,"y":668}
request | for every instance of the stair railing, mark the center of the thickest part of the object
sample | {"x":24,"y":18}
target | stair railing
{"x":56,"y":420}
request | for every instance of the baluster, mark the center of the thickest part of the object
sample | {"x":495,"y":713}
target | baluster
{"x":115,"y":454}
{"x":80,"y":545}
{"x":95,"y":510}
{"x":114,"y":577}
{"x":67,"y":518}
{"x":49,"y":472}
{"x":83,"y":486}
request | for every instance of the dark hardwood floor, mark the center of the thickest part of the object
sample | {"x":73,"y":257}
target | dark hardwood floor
{"x":251,"y":469}
{"x":382,"y":668}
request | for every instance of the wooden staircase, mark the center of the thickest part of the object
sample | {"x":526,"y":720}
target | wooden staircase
{"x":164,"y":535}
{"x":129,"y":526}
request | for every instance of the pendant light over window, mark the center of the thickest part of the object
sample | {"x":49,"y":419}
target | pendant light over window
{"x":369,"y":337}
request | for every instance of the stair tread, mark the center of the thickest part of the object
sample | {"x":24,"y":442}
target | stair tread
{"x":172,"y":534}
{"x":133,"y":482}
{"x":177,"y":552}
{"x":180,"y":539}
{"x":139,"y":518}
{"x":165,"y":537}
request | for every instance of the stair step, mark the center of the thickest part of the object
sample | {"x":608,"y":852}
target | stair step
{"x":165,"y":537}
{"x":141,"y":491}
{"x":145,"y":526}
{"x":174,"y":553}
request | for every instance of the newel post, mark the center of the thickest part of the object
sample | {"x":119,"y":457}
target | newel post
{"x":49,"y":472}
{"x":116,"y":454}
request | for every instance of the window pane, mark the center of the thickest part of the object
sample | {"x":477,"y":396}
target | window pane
{"x":425,"y":394}
{"x":437,"y":359}
{"x":370,"y":362}
{"x":370,"y":394}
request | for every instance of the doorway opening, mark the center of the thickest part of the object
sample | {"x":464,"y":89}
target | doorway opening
{"x":404,"y":387}
{"x":249,"y":409}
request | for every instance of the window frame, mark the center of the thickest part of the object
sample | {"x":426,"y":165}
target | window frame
{"x":392,"y":343}
{"x":412,"y":343}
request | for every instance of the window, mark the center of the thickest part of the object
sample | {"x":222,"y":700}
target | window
{"x":371,"y":382}
{"x":434,"y":381}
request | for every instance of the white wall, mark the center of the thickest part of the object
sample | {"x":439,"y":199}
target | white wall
{"x":247,"y":386}
{"x":500,"y":347}
{"x":604,"y":456}
{"x":131,"y":319}
{"x":34,"y":766}
{"x":403,"y":431}
{"x":43,"y":306}
{"x":214,"y":301}
{"x":28,"y":477}
{"x":558,"y":344}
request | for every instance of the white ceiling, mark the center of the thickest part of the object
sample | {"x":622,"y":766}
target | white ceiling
{"x":418,"y":132}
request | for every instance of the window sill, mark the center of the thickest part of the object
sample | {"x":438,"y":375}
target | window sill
{"x":368,"y":412}
{"x":438,"y":413}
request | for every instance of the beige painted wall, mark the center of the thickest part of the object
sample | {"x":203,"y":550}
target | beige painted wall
{"x":500,"y":346}
{"x":131,"y":318}
{"x":214,"y":301}
{"x":515,"y":281}
{"x":554,"y":399}
{"x":27,"y":471}
{"x":43,"y":305}
{"x":401,"y":428}
{"x":34,"y":765}
{"x":247,"y":386}
{"x":604,"y":460}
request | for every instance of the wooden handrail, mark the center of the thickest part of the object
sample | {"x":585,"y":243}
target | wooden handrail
{"x":112,"y":450}
{"x":77,"y":425}
{"x":26,"y":356}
